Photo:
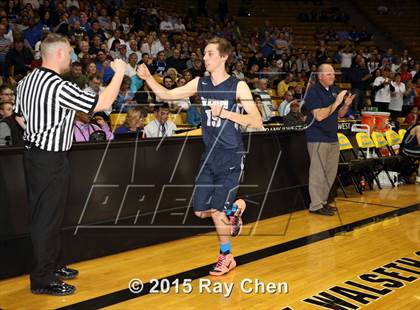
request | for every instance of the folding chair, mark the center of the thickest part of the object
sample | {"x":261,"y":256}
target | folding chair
{"x":349,"y":165}
{"x":364,"y":143}
{"x":393,"y":140}
{"x":385,"y":157}
{"x":401,"y":133}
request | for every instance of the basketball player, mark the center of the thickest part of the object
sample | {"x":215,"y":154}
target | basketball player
{"x":222,"y":162}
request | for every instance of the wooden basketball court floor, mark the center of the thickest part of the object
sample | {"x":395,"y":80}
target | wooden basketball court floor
{"x":365,"y":257}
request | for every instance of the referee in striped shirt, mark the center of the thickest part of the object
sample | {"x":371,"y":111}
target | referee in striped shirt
{"x":48,"y":104}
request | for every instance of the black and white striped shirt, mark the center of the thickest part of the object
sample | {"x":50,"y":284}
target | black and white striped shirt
{"x":49,"y":104}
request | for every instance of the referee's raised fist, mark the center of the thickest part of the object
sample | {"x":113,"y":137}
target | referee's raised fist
{"x":118,"y":65}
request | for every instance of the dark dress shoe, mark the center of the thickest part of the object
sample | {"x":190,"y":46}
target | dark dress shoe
{"x":323,"y":211}
{"x":331,"y":208}
{"x":66,"y":273}
{"x":55,"y":288}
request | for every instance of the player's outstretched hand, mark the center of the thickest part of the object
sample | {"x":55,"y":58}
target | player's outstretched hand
{"x":143,"y":72}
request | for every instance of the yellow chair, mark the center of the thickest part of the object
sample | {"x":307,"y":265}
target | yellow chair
{"x":393,"y":140}
{"x":117,"y":119}
{"x":364,"y":143}
{"x":385,"y":158}
{"x":378,"y":140}
{"x":344,"y":142}
{"x":401,"y":133}
{"x":178,"y":118}
{"x":348,"y":164}
{"x":150,"y":117}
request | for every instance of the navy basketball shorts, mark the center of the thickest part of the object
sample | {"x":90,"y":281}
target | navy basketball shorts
{"x":218,"y":179}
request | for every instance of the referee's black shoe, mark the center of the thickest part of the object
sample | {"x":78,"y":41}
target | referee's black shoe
{"x":55,"y":288}
{"x":66,"y":273}
{"x":331,"y":208}
{"x":323,"y":211}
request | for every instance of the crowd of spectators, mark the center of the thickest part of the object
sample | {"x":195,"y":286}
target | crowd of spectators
{"x":171,"y":44}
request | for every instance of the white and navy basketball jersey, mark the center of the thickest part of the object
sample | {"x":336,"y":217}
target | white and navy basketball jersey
{"x":219,"y":132}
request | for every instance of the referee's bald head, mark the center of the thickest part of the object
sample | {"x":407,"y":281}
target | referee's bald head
{"x":52,"y":42}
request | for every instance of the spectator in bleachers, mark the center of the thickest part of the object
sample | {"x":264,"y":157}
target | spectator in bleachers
{"x":194,"y":112}
{"x":160,"y":126}
{"x":198,"y":68}
{"x":94,"y":84}
{"x":373,"y":63}
{"x":267,"y":44}
{"x":33,"y":33}
{"x":252,"y":76}
{"x":151,"y":47}
{"x":96,"y":30}
{"x":396,"y":105}
{"x":346,"y":55}
{"x":94,"y":46}
{"x":90,"y":70}
{"x":83,"y":50}
{"x":5,"y":45}
{"x":389,"y":56}
{"x":134,"y":122}
{"x":238,"y":72}
{"x":405,"y":75}
{"x":103,"y":66}
{"x":267,"y":103}
{"x":114,"y":51}
{"x":412,"y":117}
{"x":159,"y":65}
{"x":125,"y":96}
{"x":133,"y":48}
{"x":104,"y":20}
{"x":175,"y":61}
{"x":132,"y":65}
{"x":76,"y":76}
{"x":321,"y":53}
{"x":11,"y":133}
{"x":179,"y":25}
{"x":383,"y":88}
{"x":19,"y":58}
{"x":284,"y":107}
{"x":122,"y":51}
{"x":76,"y":33}
{"x":187,"y":75}
{"x":294,"y":117}
{"x":396,"y":66}
{"x":283,"y":85}
{"x":190,"y":62}
{"x":166,"y":24}
{"x":87,"y":129}
{"x":302,"y":63}
{"x":359,"y":77}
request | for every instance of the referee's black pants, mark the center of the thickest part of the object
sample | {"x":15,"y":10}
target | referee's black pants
{"x":47,"y":180}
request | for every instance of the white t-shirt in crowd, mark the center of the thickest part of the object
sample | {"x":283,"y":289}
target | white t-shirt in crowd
{"x":397,"y":97}
{"x":180,"y":27}
{"x":151,"y":50}
{"x":384,"y":94}
{"x":155,"y":130}
{"x":346,"y":60}
{"x":267,"y":104}
{"x":129,"y":70}
{"x":166,"y":26}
